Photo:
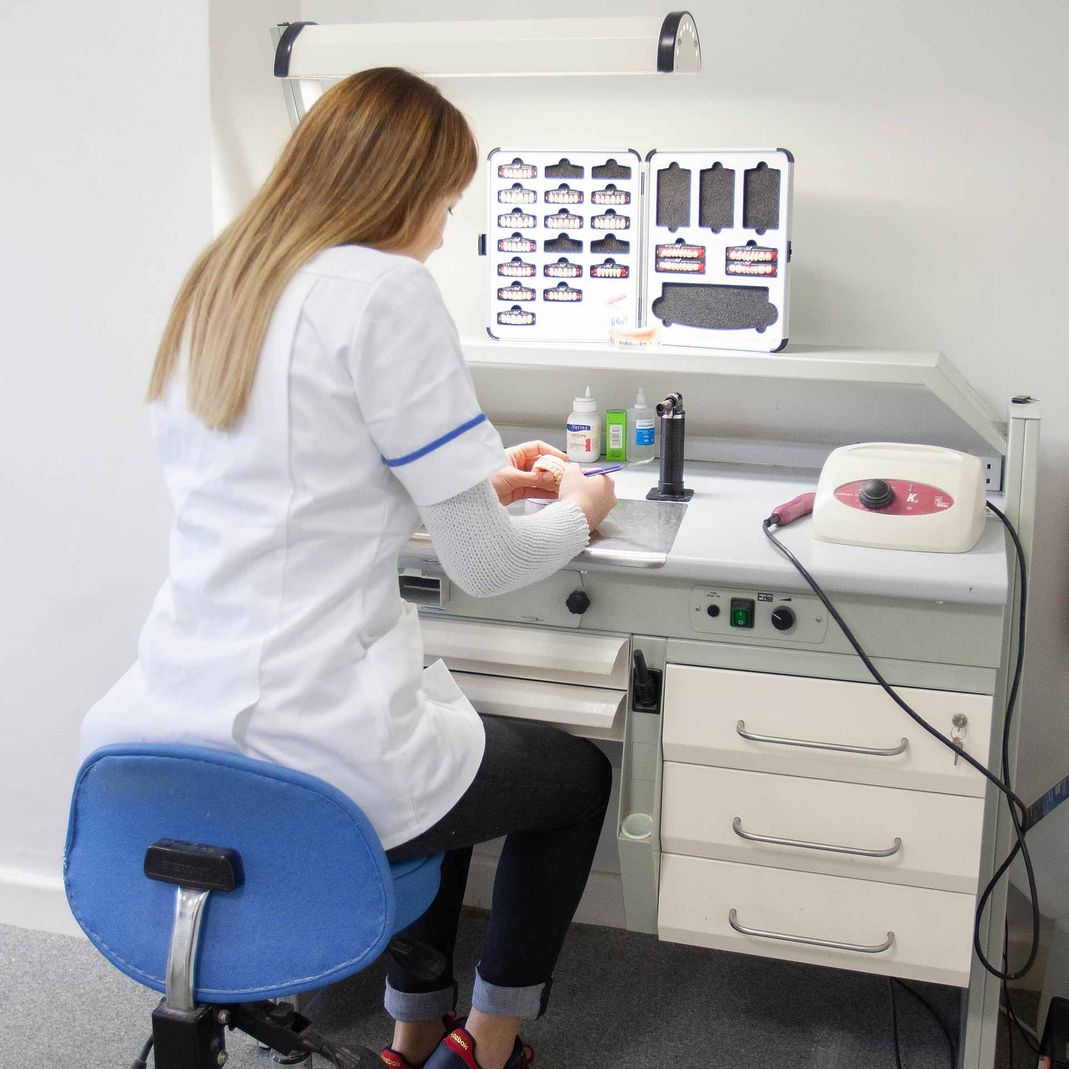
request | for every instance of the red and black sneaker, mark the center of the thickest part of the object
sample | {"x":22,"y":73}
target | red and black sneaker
{"x":457,"y":1051}
{"x":396,"y":1060}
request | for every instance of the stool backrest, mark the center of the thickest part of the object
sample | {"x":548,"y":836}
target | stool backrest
{"x":317,"y":903}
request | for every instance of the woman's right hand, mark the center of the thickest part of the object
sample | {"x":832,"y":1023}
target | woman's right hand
{"x":594,"y":494}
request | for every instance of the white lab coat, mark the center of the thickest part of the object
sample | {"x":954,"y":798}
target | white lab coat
{"x":280,"y":632}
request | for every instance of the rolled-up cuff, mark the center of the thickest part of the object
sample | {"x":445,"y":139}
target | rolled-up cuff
{"x":419,"y":1006}
{"x":526,"y":1003}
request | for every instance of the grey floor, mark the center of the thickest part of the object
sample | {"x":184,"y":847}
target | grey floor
{"x":619,"y":999}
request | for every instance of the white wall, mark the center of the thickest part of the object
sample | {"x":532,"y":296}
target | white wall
{"x":105,"y":183}
{"x":931,"y":151}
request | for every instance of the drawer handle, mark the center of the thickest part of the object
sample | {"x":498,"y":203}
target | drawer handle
{"x":831,"y":944}
{"x":838,"y":747}
{"x":737,"y":828}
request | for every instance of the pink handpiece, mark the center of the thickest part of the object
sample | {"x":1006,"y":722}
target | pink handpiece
{"x":797,"y":507}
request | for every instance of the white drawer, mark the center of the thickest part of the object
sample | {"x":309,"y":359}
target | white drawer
{"x":527,"y":652}
{"x":804,"y":726}
{"x":927,"y":840}
{"x":885,"y":928}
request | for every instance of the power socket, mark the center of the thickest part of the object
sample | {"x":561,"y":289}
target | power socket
{"x":993,"y":473}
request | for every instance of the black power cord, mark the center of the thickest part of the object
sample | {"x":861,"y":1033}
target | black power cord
{"x":1015,"y":805}
{"x":896,"y":1046}
{"x":935,"y":1015}
{"x":142,"y":1059}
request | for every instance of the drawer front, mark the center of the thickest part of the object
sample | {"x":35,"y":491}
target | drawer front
{"x":489,"y":648}
{"x":880,"y":928}
{"x":843,"y":829}
{"x":823,"y":728}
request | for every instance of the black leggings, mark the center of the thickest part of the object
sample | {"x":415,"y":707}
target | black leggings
{"x":547,"y":792}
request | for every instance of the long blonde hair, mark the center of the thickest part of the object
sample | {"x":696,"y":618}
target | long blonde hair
{"x":364,"y":167}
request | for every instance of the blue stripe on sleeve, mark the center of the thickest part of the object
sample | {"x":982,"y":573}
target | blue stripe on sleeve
{"x":430,"y":447}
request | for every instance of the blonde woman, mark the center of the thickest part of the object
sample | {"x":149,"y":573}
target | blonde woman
{"x":311,"y":406}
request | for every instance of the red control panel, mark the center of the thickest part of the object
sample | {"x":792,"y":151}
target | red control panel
{"x":910,"y":498}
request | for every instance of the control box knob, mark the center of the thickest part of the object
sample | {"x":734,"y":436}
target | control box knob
{"x":876,"y":494}
{"x":782,"y":618}
{"x":578,"y":601}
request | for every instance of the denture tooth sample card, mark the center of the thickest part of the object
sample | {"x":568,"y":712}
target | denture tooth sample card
{"x":717,"y":247}
{"x":563,"y":243}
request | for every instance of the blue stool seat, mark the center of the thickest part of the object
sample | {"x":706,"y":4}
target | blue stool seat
{"x":319,"y":901}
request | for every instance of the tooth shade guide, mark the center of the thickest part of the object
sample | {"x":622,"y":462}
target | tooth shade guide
{"x":669,"y":265}
{"x":681,"y":251}
{"x":563,"y":195}
{"x":610,"y":221}
{"x":764,"y":270}
{"x":610,"y":269}
{"x":562,"y":269}
{"x":751,"y":254}
{"x":515,"y":292}
{"x":517,"y":195}
{"x":610,"y":195}
{"x":516,"y":268}
{"x":563,"y":220}
{"x":516,"y":317}
{"x":562,"y":294}
{"x":516,"y":220}
{"x":517,"y":169}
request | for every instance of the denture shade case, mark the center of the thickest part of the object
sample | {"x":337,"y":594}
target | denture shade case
{"x":563,"y":239}
{"x":697,"y":243}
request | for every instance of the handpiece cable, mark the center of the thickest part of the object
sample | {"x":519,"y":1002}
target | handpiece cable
{"x":1014,"y":803}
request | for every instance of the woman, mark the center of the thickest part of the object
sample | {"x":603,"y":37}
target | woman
{"x":311,"y":406}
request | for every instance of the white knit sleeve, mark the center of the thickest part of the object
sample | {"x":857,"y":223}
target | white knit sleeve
{"x":486,"y":550}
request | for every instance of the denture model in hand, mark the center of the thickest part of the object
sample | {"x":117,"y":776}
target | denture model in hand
{"x":550,"y":463}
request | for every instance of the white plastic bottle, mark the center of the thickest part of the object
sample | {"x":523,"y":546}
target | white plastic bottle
{"x":641,"y":424}
{"x":584,"y":430}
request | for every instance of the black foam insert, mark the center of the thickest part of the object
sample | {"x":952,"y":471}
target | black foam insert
{"x":610,"y":169}
{"x":610,"y":244}
{"x":563,"y":243}
{"x":760,"y":205}
{"x":673,"y":197}
{"x":715,"y":307}
{"x":564,"y":169}
{"x":716,"y":197}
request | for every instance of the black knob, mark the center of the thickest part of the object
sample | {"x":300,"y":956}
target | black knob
{"x":713,"y":610}
{"x":783,"y":618}
{"x":876,"y":494}
{"x":578,"y":601}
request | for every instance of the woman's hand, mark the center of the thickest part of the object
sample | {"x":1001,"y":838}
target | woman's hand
{"x":594,"y":494}
{"x":517,"y":482}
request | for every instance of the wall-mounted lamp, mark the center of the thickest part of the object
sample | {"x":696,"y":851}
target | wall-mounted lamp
{"x":309,"y":57}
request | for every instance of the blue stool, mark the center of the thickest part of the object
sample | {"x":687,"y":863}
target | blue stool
{"x":224,"y":883}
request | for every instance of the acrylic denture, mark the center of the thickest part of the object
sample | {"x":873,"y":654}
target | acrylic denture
{"x":562,"y":293}
{"x":516,"y":243}
{"x":516,"y":292}
{"x":610,"y":221}
{"x":517,"y":169}
{"x":609,"y":269}
{"x":563,"y":220}
{"x":610,"y":195}
{"x":516,"y":317}
{"x":517,"y":195}
{"x":516,"y":220}
{"x":562,"y":269}
{"x":680,"y":259}
{"x":564,"y":195}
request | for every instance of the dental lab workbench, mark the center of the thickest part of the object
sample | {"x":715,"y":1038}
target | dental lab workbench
{"x":770,"y":798}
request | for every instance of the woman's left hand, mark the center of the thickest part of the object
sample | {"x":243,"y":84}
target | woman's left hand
{"x":517,"y":482}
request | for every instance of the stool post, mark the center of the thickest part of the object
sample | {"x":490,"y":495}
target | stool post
{"x":182,"y":956}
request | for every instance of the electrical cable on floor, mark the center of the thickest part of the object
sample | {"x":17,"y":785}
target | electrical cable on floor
{"x":894,"y":1024}
{"x":1014,"y":803}
{"x":936,"y":1016}
{"x":142,"y":1060}
{"x":1007,"y":1006}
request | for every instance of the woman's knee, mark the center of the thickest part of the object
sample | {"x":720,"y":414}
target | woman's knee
{"x":598,"y":776}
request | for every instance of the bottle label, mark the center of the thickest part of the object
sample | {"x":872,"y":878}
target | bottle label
{"x":644,"y":431}
{"x":580,"y":440}
{"x":616,"y":436}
